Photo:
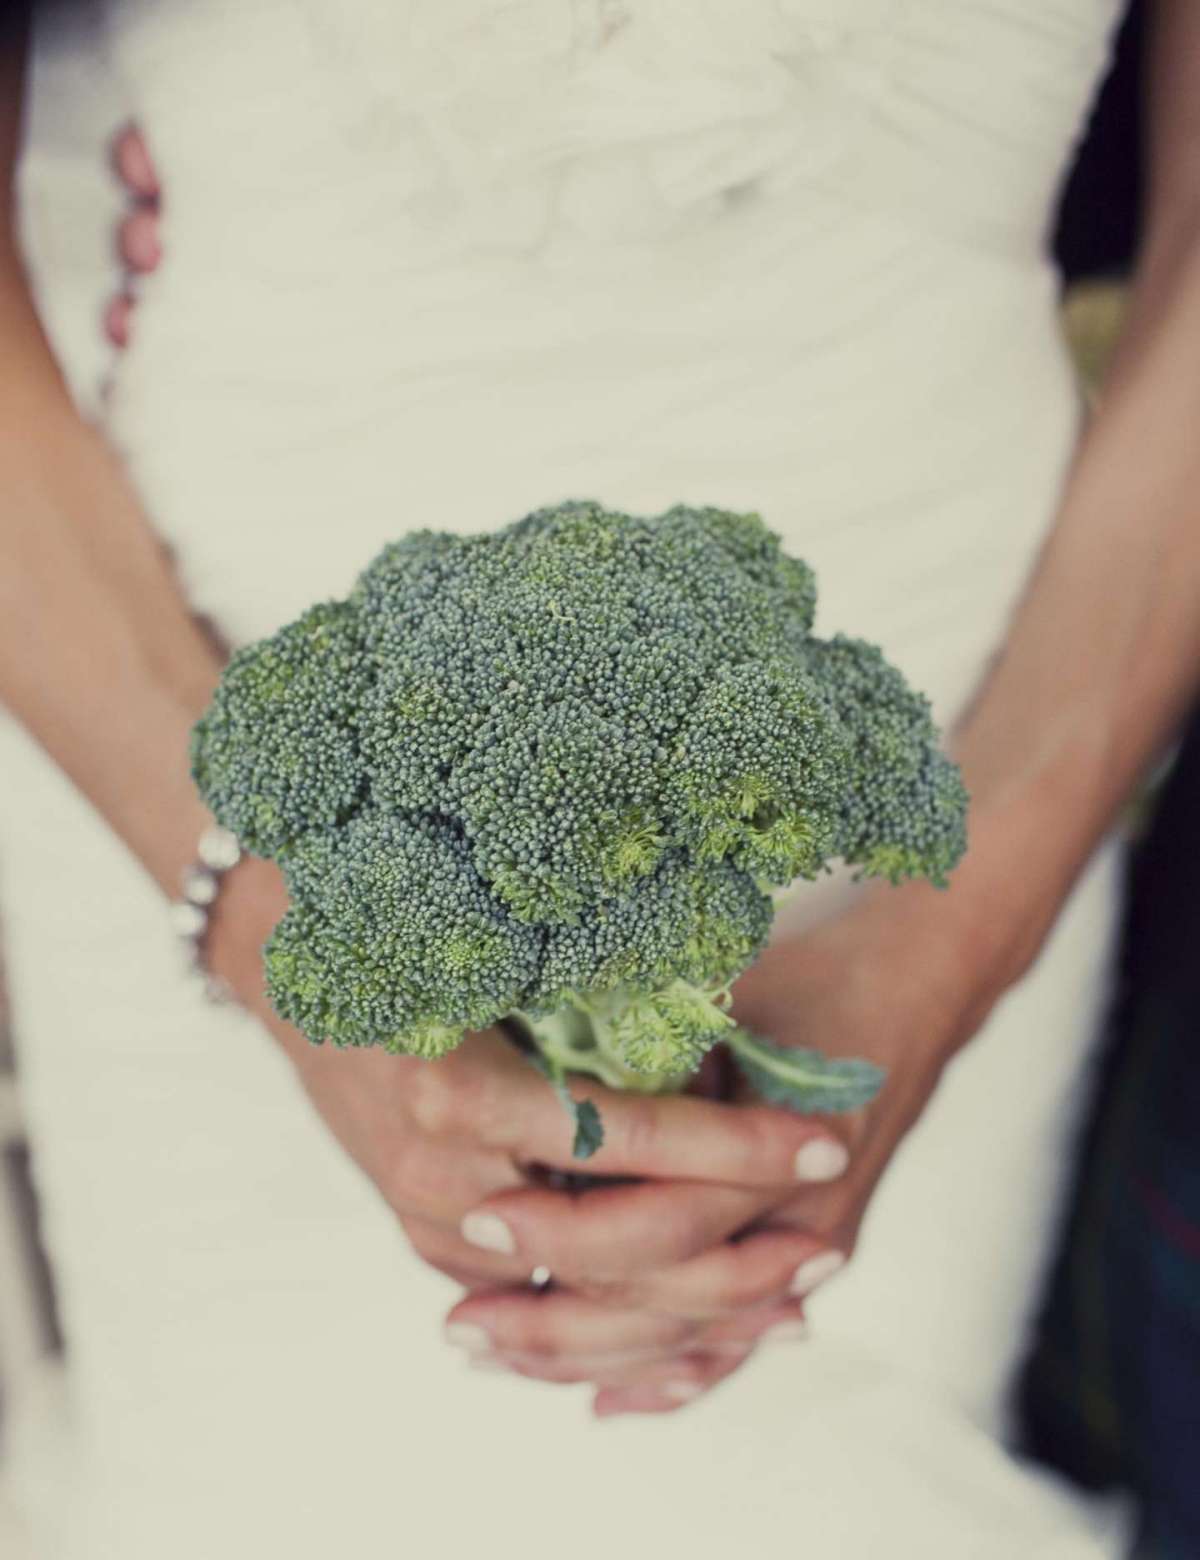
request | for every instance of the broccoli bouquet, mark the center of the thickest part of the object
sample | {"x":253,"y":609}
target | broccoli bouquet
{"x":550,"y":776}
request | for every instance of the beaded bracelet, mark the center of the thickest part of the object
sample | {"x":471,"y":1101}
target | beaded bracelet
{"x":217,"y":851}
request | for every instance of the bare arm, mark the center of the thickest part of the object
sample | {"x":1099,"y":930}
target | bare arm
{"x":94,"y":634}
{"x":1103,"y":655}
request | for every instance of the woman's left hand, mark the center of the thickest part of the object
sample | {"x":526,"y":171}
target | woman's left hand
{"x":892,"y":979}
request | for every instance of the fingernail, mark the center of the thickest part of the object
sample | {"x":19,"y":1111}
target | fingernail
{"x":466,"y":1335}
{"x":681,"y":1391}
{"x":815,"y":1271}
{"x":786,"y":1331}
{"x":489,"y":1232}
{"x":821,"y":1160}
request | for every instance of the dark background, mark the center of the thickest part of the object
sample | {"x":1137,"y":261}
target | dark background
{"x":1098,"y":219}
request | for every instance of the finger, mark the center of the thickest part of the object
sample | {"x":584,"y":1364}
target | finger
{"x":117,"y":319}
{"x":560,"y":1324}
{"x":781,"y":1322}
{"x":138,"y":241}
{"x":439,"y":1180}
{"x":441,"y":1248}
{"x":610,"y":1370}
{"x":510,"y":1107}
{"x":759,"y":1269}
{"x":610,"y":1233}
{"x":589,"y":1342}
{"x":834,"y":1213}
{"x":133,"y":163}
{"x":669,"y":1388}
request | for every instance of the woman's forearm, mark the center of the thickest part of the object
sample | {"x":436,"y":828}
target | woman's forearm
{"x":1103,"y":654}
{"x":99,"y":655}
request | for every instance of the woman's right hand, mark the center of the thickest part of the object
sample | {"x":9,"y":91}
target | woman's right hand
{"x":139,"y":247}
{"x":450,"y":1145}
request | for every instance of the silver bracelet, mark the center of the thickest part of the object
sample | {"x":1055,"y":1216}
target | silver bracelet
{"x":217,"y":851}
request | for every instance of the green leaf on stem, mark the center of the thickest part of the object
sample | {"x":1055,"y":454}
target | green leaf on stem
{"x":589,"y":1129}
{"x":804,"y":1080}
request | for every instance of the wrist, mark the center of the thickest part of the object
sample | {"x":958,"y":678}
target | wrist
{"x":964,"y":946}
{"x":1024,"y":854}
{"x":245,"y":912}
{"x":253,"y":897}
{"x":958,"y":949}
{"x":938,"y":936}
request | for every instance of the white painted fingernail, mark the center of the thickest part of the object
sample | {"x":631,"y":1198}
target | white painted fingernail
{"x":682,"y":1391}
{"x":815,"y":1271}
{"x":465,"y":1335}
{"x":785,"y":1332}
{"x":488,"y":1232}
{"x":820,"y":1160}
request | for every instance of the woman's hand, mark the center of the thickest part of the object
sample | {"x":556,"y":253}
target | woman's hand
{"x":455,"y":1146}
{"x":138,"y":243}
{"x":892,"y":980}
{"x":895,"y":980}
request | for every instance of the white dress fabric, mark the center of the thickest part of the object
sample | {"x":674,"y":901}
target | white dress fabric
{"x":439,"y":262}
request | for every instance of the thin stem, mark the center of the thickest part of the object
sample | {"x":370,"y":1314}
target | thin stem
{"x":579,"y":1039}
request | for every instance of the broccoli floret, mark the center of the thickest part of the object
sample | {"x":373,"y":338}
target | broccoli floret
{"x":902,"y":813}
{"x":559,"y":807}
{"x":277,"y":751}
{"x":759,"y":555}
{"x":549,"y":774}
{"x":760,"y":769}
{"x":703,"y":922}
{"x":393,"y":938}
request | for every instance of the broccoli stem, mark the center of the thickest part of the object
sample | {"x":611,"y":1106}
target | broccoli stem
{"x":579,"y":1038}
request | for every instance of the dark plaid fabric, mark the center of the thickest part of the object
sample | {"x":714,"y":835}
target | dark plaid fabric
{"x":1111,"y":1392}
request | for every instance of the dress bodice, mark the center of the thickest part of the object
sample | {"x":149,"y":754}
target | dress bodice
{"x":447,"y":260}
{"x":505,"y":124}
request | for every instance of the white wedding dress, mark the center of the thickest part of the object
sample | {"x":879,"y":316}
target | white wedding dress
{"x":438,"y":262}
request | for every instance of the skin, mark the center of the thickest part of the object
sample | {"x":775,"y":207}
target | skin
{"x":653,"y":1303}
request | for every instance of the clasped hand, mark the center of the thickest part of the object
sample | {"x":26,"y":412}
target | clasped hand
{"x":722,"y":1216}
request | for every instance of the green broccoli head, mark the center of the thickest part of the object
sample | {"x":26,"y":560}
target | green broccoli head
{"x":557,"y":769}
